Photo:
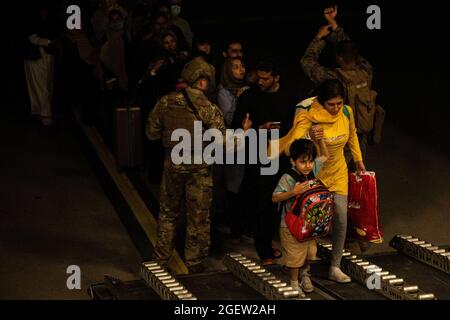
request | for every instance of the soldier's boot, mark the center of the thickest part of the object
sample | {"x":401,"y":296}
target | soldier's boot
{"x":160,"y":258}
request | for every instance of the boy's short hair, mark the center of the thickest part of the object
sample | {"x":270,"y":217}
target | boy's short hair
{"x":303,"y":148}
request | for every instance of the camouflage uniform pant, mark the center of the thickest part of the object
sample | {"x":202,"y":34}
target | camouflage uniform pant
{"x":179,"y":191}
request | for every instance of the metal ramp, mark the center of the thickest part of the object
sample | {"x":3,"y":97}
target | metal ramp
{"x":247,"y":280}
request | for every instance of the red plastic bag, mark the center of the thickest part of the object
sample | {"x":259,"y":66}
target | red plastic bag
{"x":363,"y":216}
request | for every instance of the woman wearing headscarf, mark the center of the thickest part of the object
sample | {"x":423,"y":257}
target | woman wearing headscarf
{"x":329,"y":118}
{"x":232,"y":85}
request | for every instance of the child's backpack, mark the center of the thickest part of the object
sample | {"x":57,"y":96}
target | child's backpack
{"x":311,"y":214}
{"x":360,"y":97}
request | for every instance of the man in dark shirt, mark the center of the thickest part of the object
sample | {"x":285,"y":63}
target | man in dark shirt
{"x":269,"y":107}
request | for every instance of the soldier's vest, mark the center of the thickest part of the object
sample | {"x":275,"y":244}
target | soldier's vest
{"x":360,"y":97}
{"x":180,"y":116}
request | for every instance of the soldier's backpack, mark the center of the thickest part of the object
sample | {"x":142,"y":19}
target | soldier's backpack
{"x":311,"y":214}
{"x":360,"y":97}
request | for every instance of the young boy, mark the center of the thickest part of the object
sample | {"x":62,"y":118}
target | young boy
{"x":306,"y":161}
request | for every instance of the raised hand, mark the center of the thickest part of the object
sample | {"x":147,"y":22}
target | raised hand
{"x":247,"y":123}
{"x":316,"y":133}
{"x":330,"y":15}
{"x":153,"y":69}
{"x":324,"y":31}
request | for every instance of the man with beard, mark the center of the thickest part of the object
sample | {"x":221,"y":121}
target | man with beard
{"x":269,"y":107}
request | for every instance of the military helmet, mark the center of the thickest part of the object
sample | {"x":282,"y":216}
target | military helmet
{"x":195,"y":70}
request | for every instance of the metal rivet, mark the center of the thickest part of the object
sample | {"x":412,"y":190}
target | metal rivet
{"x":427,"y":296}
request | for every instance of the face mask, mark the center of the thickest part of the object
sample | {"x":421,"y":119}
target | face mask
{"x":116,"y":26}
{"x":175,"y":10}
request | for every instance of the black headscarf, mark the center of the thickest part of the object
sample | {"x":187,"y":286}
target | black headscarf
{"x":228,"y":81}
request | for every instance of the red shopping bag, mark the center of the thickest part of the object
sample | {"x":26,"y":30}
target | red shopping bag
{"x":363,"y":214}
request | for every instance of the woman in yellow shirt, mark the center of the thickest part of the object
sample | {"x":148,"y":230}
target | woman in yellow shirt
{"x":333,"y":121}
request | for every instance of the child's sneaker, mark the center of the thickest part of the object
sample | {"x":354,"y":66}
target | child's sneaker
{"x":301,"y":294}
{"x":306,"y":284}
{"x":335,"y":274}
{"x":295,"y":286}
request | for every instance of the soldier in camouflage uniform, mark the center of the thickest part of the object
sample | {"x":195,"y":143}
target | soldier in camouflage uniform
{"x":350,"y":62}
{"x":185,"y":186}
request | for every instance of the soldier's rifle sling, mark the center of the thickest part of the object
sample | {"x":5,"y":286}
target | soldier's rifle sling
{"x":192,"y":107}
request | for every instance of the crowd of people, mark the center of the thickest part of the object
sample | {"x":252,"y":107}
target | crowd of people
{"x":149,"y":56}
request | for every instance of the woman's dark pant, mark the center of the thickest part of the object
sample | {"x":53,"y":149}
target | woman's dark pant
{"x":268,"y":219}
{"x":257,"y":194}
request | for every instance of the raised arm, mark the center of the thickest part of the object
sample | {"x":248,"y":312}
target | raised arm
{"x":38,"y":41}
{"x":338,"y":34}
{"x":316,"y":134}
{"x":310,"y":60}
{"x":322,"y":150}
{"x":300,"y":130}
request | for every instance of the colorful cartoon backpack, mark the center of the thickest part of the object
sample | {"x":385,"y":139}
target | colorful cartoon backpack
{"x":311,"y":214}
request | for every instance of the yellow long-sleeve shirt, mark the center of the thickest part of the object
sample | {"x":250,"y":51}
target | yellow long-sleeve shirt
{"x":338,"y":130}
